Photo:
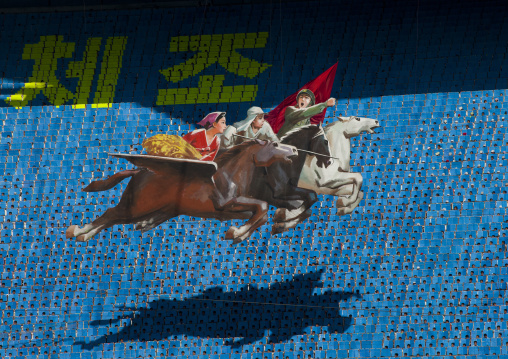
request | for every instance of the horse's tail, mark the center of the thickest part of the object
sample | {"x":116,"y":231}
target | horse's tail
{"x":103,"y":185}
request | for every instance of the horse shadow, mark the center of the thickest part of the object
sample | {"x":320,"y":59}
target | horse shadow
{"x":285,"y":309}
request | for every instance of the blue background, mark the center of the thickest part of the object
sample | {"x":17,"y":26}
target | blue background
{"x":424,"y":254}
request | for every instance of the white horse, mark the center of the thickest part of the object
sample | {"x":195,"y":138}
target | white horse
{"x":336,"y":180}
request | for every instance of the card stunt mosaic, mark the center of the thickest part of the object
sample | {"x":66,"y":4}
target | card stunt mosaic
{"x":254,"y":179}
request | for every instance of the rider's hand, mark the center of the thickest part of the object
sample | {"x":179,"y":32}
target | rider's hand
{"x":330,"y":102}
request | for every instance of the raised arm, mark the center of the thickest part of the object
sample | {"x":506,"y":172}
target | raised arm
{"x":294,"y":115}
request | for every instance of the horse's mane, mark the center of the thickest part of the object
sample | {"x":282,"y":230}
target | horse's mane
{"x":327,"y":126}
{"x":297,"y":132}
{"x":233,"y":152}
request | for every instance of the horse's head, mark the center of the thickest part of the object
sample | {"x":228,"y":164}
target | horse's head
{"x":271,"y":152}
{"x":319,"y":144}
{"x":353,"y":126}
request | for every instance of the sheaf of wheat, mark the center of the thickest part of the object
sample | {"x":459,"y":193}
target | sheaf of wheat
{"x":170,"y":146}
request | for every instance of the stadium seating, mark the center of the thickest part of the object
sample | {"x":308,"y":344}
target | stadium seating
{"x":418,"y":269}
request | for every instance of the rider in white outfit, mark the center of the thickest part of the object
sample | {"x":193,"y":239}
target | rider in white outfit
{"x":254,"y":126}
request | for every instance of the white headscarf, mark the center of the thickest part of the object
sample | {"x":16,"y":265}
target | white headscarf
{"x":251,"y":115}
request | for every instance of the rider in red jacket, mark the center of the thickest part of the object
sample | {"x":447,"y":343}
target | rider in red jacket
{"x":206,"y":140}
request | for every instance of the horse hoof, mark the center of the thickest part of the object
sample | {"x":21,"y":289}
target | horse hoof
{"x":280,"y":215}
{"x":345,"y":211}
{"x":340,"y":202}
{"x":231,"y":233}
{"x":69,"y":233}
{"x":81,"y":238}
{"x":237,"y":240}
{"x":278,"y":228}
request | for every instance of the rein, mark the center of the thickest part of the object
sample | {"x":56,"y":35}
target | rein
{"x":312,"y":153}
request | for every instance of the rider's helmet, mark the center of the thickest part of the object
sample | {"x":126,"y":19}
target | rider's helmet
{"x":308,"y":93}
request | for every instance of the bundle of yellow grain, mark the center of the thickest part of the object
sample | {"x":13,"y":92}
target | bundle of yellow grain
{"x":170,"y":146}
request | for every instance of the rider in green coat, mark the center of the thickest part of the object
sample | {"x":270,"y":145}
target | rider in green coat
{"x":300,"y":115}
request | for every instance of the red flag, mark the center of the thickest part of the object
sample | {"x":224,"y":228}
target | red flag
{"x":321,"y":86}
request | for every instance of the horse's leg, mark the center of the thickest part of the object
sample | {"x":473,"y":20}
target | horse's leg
{"x":341,"y":184}
{"x":343,"y":191}
{"x":309,"y":197}
{"x":259,"y":217}
{"x":357,"y":185}
{"x":284,"y":214}
{"x":153,"y":221}
{"x":85,"y":237}
{"x":285,"y":219}
{"x":148,"y":225}
{"x":349,"y":209}
{"x":279,"y":227}
{"x":112,"y":213}
{"x":108,"y":219}
{"x":74,"y":230}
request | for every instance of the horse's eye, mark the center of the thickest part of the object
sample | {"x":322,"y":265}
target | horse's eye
{"x":275,"y":144}
{"x":326,"y":142}
{"x":358,"y":119}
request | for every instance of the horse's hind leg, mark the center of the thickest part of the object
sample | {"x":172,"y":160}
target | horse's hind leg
{"x":84,"y":233}
{"x":74,"y":230}
{"x":86,"y":236}
{"x":154,"y":222}
{"x":108,"y":219}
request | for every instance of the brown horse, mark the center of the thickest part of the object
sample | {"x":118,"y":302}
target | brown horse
{"x":158,"y":193}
